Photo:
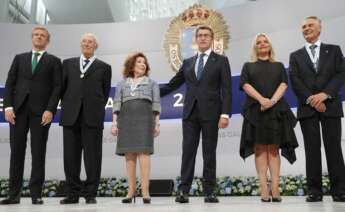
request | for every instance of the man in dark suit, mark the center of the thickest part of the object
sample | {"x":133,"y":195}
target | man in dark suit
{"x":207,"y":107}
{"x":85,"y":92}
{"x":32,"y":92}
{"x":317,"y":73}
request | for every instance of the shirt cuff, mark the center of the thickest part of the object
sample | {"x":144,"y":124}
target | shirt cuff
{"x":8,"y":108}
{"x":224,"y":116}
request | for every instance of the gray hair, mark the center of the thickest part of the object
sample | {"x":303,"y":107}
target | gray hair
{"x":93,"y":36}
{"x":314,"y":18}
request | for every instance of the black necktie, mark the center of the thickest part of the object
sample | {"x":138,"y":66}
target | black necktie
{"x":85,"y":63}
{"x":200,"y":66}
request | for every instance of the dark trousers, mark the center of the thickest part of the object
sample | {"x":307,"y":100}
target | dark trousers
{"x":77,"y":139}
{"x":26,"y":120}
{"x":191,"y":136}
{"x":331,"y":134}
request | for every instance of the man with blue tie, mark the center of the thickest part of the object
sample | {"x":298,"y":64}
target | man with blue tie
{"x":317,"y":73}
{"x":85,"y":91}
{"x":207,"y":107}
{"x":32,"y":92}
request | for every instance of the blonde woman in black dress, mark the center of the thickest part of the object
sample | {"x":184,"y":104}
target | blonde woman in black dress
{"x":268,"y":121}
{"x":136,"y":112}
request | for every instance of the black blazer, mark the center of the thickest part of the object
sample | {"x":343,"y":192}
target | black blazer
{"x":212,"y":91}
{"x":329,"y":78}
{"x":90,"y":92}
{"x":44,"y":86}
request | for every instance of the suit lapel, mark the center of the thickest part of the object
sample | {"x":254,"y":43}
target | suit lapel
{"x":192,"y":68}
{"x":307,"y":59}
{"x":76,"y":66}
{"x":28,"y":62}
{"x":322,"y":57}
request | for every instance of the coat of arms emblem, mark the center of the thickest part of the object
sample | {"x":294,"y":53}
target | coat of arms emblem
{"x":179,"y":41}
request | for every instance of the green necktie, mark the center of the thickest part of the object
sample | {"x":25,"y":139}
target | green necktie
{"x":34,"y":62}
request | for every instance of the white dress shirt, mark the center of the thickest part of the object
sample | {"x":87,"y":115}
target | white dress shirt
{"x":207,"y":54}
{"x":39,"y":57}
{"x":82,"y":63}
{"x":314,"y":59}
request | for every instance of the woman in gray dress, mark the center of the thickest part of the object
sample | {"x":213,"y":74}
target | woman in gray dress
{"x":136,"y":121}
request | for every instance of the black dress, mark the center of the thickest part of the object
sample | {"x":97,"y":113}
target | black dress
{"x":273,"y":126}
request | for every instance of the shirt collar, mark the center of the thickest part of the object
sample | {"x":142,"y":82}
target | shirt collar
{"x":207,"y":52}
{"x":90,"y":59}
{"x":317,"y":43}
{"x":41,"y":52}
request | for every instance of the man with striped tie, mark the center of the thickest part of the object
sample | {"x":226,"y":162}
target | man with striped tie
{"x":317,"y":73}
{"x":85,"y":91}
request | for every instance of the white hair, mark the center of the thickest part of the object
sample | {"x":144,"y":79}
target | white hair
{"x":91,"y":35}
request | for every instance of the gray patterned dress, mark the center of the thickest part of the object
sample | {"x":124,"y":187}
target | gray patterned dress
{"x":136,"y":107}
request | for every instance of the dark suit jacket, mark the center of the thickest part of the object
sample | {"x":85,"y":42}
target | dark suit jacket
{"x":90,"y":92}
{"x":212,"y":91}
{"x":44,"y":86}
{"x":329,"y":78}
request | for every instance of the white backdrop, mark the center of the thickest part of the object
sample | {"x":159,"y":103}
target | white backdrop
{"x":278,"y":18}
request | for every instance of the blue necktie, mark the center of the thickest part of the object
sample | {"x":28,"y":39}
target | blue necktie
{"x":200,"y":66}
{"x":85,"y":63}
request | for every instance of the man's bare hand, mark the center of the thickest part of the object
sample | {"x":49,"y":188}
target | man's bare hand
{"x":321,"y":108}
{"x":47,"y":117}
{"x":223,"y":123}
{"x":10,"y":116}
{"x":317,"y":99}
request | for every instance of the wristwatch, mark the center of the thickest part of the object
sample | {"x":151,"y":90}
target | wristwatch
{"x":273,"y":101}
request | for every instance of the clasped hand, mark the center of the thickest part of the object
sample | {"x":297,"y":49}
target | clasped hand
{"x":266,"y":104}
{"x":317,"y":101}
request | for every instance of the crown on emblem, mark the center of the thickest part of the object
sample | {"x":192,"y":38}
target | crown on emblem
{"x":188,"y":19}
{"x":195,"y":16}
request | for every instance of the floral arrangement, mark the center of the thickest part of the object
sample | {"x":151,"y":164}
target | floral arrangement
{"x":226,"y":186}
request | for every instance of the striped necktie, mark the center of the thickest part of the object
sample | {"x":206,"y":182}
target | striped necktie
{"x":313,"y":52}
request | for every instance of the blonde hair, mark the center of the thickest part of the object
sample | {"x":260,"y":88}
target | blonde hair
{"x":254,"y":56}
